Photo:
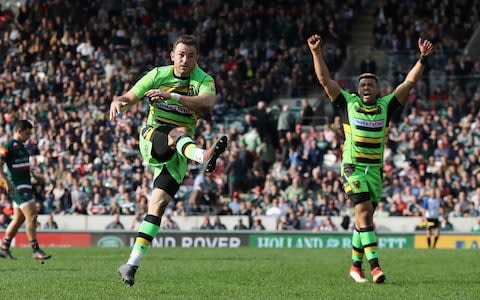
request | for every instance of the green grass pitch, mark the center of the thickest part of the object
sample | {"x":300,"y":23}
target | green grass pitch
{"x":199,"y":273}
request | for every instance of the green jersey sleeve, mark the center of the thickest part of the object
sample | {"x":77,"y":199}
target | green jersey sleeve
{"x":144,"y":84}
{"x":207,"y":86}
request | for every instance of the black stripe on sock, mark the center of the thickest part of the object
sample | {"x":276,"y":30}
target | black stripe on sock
{"x":360,"y":250}
{"x":153,"y":219}
{"x":357,"y":264}
{"x":185,"y":147}
{"x":145,"y":236}
{"x":373,"y":263}
{"x":370,"y":245}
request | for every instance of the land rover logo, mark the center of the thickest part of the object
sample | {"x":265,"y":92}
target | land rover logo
{"x":110,"y":241}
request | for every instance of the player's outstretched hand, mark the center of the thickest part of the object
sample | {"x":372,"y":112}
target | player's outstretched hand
{"x":425,"y":46}
{"x":117,"y":106}
{"x":314,"y":43}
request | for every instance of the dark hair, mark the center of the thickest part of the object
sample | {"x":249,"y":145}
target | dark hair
{"x":23,"y":125}
{"x":368,"y":75}
{"x":186,"y":39}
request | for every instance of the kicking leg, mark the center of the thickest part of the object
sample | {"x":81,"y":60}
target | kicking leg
{"x":187,"y":147}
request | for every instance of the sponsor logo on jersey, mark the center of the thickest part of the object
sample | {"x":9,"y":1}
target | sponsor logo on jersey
{"x":174,"y":108}
{"x":370,"y":124}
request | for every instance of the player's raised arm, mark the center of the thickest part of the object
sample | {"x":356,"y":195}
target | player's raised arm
{"x":402,"y":91}
{"x":331,"y":86}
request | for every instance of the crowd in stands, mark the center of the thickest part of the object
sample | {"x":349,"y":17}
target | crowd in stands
{"x":449,"y":25}
{"x":62,"y":62}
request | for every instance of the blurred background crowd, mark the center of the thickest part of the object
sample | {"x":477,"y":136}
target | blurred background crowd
{"x":62,"y":62}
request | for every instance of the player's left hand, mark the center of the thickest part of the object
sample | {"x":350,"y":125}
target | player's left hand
{"x":426,"y":47}
{"x":157,"y":93}
{"x":7,"y":186}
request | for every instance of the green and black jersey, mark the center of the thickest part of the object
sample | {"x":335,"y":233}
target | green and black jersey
{"x":365,"y":127}
{"x":170,"y":111}
{"x":17,"y":158}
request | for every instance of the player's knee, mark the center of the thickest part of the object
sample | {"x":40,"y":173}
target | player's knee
{"x":175,"y":134}
{"x":31,"y":219}
{"x":159,"y":204}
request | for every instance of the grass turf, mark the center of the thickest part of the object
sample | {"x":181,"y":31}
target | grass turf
{"x":244,"y":273}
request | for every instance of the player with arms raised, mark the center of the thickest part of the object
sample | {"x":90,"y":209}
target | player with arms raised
{"x":365,"y":117}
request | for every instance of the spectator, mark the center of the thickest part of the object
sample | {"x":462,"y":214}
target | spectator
{"x":218,"y":225}
{"x":258,"y":225}
{"x":50,"y":224}
{"x":240,"y":225}
{"x":368,"y":65}
{"x":327,"y":225}
{"x":96,"y":207}
{"x":170,"y":224}
{"x":115,"y":224}
{"x":275,"y":210}
{"x":206,"y":225}
{"x":476,"y":227}
{"x":445,"y":224}
{"x":311,"y":223}
{"x":306,"y":112}
{"x":286,"y":122}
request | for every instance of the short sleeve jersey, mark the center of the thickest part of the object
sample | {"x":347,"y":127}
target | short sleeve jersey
{"x":365,"y":127}
{"x":171,"y":111}
{"x":17,"y":158}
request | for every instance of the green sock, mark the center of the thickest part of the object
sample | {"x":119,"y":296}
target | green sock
{"x":147,"y":231}
{"x":369,"y":242}
{"x":357,"y":249}
{"x":187,"y":148}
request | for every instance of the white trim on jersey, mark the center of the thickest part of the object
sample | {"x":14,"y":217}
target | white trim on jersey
{"x":24,"y":186}
{"x":20,"y":165}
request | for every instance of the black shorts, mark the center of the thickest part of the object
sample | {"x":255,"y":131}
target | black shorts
{"x":433,"y":223}
{"x":166,"y":182}
{"x":159,"y":139}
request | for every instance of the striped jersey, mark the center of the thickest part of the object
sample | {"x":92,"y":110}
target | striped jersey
{"x":17,"y":158}
{"x":365,"y":127}
{"x":171,"y":111}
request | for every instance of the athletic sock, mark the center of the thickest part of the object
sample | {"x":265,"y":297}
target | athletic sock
{"x":435,"y":242}
{"x":34,"y":245}
{"x":429,"y":242}
{"x":147,"y":231}
{"x":187,"y":147}
{"x":369,"y":243}
{"x":357,"y":249}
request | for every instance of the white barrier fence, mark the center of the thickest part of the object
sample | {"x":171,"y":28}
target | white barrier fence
{"x":383,"y":224}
